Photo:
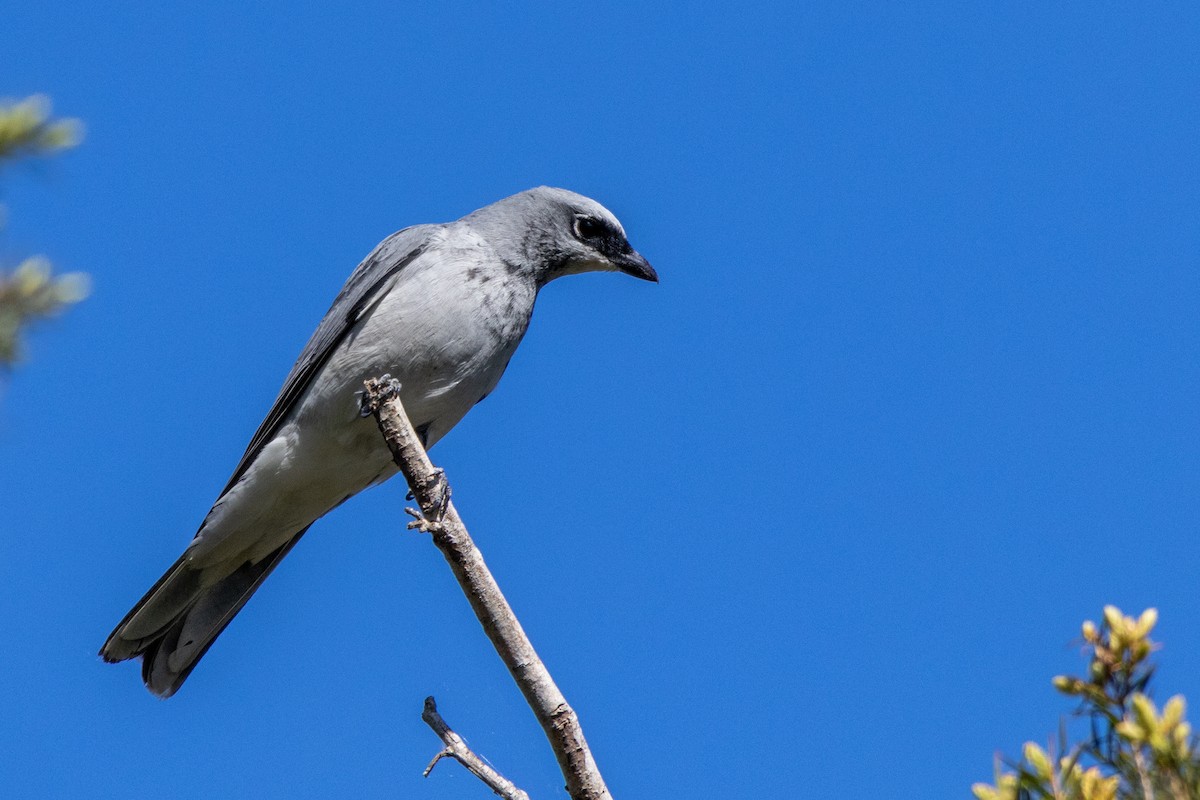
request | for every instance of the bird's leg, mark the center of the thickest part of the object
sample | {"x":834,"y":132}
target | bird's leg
{"x":389,"y":387}
{"x":434,"y":490}
{"x":438,"y":488}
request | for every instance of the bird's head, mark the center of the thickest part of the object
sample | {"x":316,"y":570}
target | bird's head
{"x":555,"y":232}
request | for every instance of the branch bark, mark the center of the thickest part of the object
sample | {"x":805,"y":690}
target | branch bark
{"x":439,"y":518}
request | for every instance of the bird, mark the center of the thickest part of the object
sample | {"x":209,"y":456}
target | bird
{"x":441,"y":308}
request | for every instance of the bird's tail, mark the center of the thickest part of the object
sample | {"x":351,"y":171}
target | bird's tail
{"x":173,"y":626}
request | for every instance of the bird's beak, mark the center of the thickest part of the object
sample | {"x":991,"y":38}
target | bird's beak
{"x":633,"y":263}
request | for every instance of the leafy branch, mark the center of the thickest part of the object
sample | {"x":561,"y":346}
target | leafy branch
{"x":1132,"y":751}
{"x":31,"y":291}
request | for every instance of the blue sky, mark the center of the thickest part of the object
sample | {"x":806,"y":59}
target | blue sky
{"x":818,"y":515}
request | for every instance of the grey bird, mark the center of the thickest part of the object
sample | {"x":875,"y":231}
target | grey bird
{"x":441,"y":308}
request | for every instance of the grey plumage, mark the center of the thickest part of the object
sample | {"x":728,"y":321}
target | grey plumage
{"x":440,"y":307}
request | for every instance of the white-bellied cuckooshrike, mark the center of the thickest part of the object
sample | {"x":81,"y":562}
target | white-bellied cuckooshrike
{"x":441,"y":308}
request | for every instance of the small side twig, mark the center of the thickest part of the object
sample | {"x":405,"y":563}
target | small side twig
{"x":440,"y":519}
{"x":457,"y":749}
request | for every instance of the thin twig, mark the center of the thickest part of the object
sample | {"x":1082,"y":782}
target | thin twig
{"x":1143,"y":773}
{"x":439,"y":518}
{"x":457,"y":749}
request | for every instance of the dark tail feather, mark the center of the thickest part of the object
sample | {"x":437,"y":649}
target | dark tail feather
{"x":173,"y":626}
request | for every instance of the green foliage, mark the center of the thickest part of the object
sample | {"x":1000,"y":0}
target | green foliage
{"x":31,"y":291}
{"x":27,"y":130}
{"x":1133,"y":751}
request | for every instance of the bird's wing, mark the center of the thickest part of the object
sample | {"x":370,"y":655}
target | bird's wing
{"x":392,"y":255}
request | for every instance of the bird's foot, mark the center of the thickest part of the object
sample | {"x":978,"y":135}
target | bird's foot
{"x":378,"y":390}
{"x":437,"y":488}
{"x":420,"y":522}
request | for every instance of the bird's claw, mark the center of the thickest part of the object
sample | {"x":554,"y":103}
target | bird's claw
{"x":419,"y":522}
{"x":382,"y":389}
{"x":438,"y":488}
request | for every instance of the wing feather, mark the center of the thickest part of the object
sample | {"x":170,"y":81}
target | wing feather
{"x":391,"y":255}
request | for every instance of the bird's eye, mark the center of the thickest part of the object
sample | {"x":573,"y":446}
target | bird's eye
{"x":588,"y":227}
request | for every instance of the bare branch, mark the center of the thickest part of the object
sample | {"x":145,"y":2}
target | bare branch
{"x":441,"y":520}
{"x":457,"y":749}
